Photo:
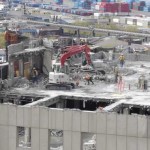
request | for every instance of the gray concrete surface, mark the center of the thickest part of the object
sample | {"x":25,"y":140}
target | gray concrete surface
{"x":113,"y":131}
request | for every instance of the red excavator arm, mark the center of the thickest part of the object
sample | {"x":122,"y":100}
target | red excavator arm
{"x":72,"y":50}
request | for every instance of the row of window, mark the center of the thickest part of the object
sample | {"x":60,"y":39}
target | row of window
{"x":88,"y":140}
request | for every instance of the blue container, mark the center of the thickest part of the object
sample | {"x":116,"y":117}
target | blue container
{"x":59,"y":1}
{"x":141,"y":8}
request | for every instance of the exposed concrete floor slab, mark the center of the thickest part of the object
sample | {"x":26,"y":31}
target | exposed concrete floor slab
{"x":105,"y":90}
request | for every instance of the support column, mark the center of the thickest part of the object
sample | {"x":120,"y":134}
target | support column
{"x":11,"y":70}
{"x":59,"y":105}
{"x":27,"y":137}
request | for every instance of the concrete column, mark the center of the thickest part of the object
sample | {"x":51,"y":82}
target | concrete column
{"x":67,"y":140}
{"x":126,"y":111}
{"x":101,"y":142}
{"x":3,"y":137}
{"x":12,"y":137}
{"x":11,"y":70}
{"x":27,"y":136}
{"x":59,"y":105}
{"x":44,"y":140}
{"x":35,"y":139}
{"x":76,"y":140}
{"x":21,"y":67}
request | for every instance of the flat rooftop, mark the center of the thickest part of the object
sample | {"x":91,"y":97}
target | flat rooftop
{"x":104,"y":90}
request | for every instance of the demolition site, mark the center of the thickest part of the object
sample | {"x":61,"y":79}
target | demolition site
{"x":64,"y":91}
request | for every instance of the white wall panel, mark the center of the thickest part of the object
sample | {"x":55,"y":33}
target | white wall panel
{"x":35,"y":139}
{"x":101,"y":142}
{"x":132,"y":143}
{"x":121,"y":124}
{"x":101,"y":122}
{"x":148,"y":144}
{"x":68,"y":120}
{"x":142,"y":126}
{"x":3,"y":114}
{"x":4,"y":138}
{"x":76,"y":140}
{"x":76,"y":121}
{"x":111,"y":123}
{"x":20,"y":116}
{"x":92,"y":122}
{"x":27,"y":116}
{"x":111,"y":142}
{"x":44,"y":139}
{"x":59,"y":119}
{"x":12,"y":137}
{"x":35,"y":117}
{"x":12,"y":114}
{"x":84,"y":121}
{"x":142,"y":144}
{"x":53,"y":119}
{"x":148,"y":126}
{"x":121,"y":142}
{"x":67,"y":140}
{"x":44,"y":112}
{"x":132,"y":125}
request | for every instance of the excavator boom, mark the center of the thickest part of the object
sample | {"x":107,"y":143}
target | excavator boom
{"x":72,"y":50}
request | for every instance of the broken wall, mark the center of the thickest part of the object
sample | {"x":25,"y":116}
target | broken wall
{"x":113,"y":131}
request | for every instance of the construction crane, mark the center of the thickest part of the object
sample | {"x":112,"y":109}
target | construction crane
{"x":59,"y":79}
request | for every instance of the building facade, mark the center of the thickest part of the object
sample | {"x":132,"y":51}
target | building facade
{"x":112,"y":131}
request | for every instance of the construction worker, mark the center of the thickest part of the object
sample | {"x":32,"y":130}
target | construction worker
{"x":120,"y":83}
{"x":34,"y":75}
{"x":89,"y":78}
{"x":122,"y":60}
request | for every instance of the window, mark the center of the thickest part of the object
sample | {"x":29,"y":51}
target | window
{"x":56,"y":140}
{"x":24,"y":137}
{"x":88,"y":141}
